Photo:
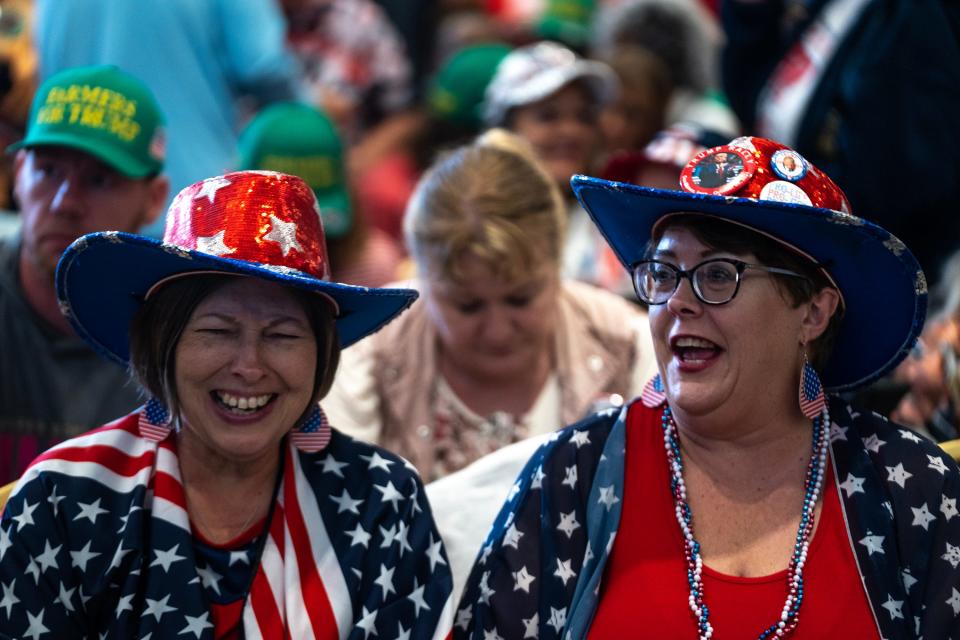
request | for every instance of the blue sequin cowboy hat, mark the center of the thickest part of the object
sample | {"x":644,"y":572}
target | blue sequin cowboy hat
{"x":249,"y":223}
{"x":772,"y":189}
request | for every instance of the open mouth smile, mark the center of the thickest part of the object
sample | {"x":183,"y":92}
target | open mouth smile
{"x":242,"y":405}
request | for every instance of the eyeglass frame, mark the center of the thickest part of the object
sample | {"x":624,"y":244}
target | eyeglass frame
{"x":739,"y":265}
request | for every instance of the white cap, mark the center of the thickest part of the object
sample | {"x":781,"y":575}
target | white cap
{"x":532,"y":73}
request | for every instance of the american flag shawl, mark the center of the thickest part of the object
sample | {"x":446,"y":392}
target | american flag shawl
{"x":95,"y":543}
{"x":538,"y":576}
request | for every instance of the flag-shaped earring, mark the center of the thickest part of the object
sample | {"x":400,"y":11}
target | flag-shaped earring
{"x":812,"y":399}
{"x":653,"y":394}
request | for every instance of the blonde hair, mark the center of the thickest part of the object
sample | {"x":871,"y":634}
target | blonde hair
{"x":490,"y":199}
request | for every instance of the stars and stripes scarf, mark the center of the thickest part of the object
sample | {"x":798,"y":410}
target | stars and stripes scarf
{"x":96,"y":542}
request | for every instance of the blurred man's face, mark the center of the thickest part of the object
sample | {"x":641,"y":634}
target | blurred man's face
{"x":64,"y":193}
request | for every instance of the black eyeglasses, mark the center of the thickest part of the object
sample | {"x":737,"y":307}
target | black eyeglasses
{"x":715,"y":281}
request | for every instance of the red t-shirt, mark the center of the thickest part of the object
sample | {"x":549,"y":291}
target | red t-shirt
{"x":645,"y":591}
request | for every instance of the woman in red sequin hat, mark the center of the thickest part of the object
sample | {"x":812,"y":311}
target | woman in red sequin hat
{"x":226,"y":507}
{"x":734,"y":498}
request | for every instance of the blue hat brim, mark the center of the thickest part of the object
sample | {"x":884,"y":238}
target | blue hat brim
{"x":883,"y":288}
{"x":102,"y":279}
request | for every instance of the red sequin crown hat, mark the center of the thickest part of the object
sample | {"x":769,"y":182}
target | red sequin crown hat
{"x":775,"y":191}
{"x":249,"y":223}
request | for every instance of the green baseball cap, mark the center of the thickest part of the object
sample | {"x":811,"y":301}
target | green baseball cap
{"x":102,"y":111}
{"x":300,"y":140}
{"x":457,"y":90}
{"x":568,"y":21}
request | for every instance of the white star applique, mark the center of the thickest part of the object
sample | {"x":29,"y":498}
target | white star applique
{"x":954,"y":602}
{"x":376,"y":461}
{"x":389,"y":536}
{"x":359,"y":536}
{"x":284,"y":234}
{"x":873,"y":443}
{"x":512,"y":537}
{"x":922,"y":516}
{"x":209,"y":188}
{"x":124,"y":604}
{"x":118,"y":557}
{"x":435,"y":553}
{"x":368,"y":622}
{"x":538,"y":477}
{"x":837,"y":432}
{"x":898,"y":474}
{"x":385,"y":580}
{"x":948,"y":507}
{"x":54,"y":501}
{"x":893,"y":607}
{"x":331,"y":465}
{"x":197,"y":624}
{"x":390,"y":494}
{"x":35,"y":628}
{"x":26,"y":516}
{"x":417,"y":598}
{"x":568,"y":523}
{"x":9,"y":599}
{"x":90,"y":511}
{"x":401,"y":538}
{"x":522,"y":580}
{"x":563,"y":570}
{"x":403,"y":634}
{"x":874,"y":544}
{"x":464,"y":616}
{"x":4,"y":542}
{"x":907,"y":434}
{"x":558,"y":618}
{"x":239,"y":556}
{"x":158,"y":608}
{"x":852,"y":485}
{"x":210,"y":578}
{"x":937,"y":464}
{"x":346,"y":503}
{"x":607,"y":497}
{"x":908,"y":580}
{"x":66,"y":597}
{"x":48,"y":559}
{"x":81,"y":557}
{"x":167,"y":558}
{"x":580,"y":438}
{"x":952,"y":555}
{"x":531,"y":626}
{"x":570,"y":476}
{"x":485,"y":553}
{"x":514,"y":490}
{"x":33,"y":570}
{"x":492,"y":634}
{"x":485,"y":591}
{"x":214,"y":245}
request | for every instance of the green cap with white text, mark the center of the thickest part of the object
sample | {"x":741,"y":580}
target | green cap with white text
{"x":102,"y":111}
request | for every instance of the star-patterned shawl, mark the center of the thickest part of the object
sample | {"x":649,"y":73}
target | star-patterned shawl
{"x":95,"y":542}
{"x":540,"y":570}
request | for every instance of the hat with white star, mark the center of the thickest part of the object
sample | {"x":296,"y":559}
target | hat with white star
{"x":260,"y":224}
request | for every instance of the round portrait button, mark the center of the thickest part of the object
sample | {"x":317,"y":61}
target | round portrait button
{"x":788,"y":164}
{"x":720,"y":171}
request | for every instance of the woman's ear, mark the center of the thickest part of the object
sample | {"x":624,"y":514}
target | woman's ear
{"x":818,"y":311}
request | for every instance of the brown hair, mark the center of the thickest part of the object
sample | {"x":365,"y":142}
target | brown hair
{"x":721,"y":235}
{"x":158,"y":325}
{"x":490,"y":199}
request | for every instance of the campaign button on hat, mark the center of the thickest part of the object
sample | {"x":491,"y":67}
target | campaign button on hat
{"x":788,"y":164}
{"x":720,"y":171}
{"x":782,"y":191}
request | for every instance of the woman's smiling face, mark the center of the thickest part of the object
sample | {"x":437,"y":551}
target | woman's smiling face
{"x":245,"y":369}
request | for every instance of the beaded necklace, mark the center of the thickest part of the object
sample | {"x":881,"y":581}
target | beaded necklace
{"x":813,"y":487}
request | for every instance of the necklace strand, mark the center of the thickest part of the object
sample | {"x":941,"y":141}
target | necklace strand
{"x":813,"y":487}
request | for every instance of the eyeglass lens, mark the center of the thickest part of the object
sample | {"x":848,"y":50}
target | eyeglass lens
{"x":714,"y":281}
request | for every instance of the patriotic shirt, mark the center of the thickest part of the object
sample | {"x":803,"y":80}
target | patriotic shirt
{"x":95,"y":542}
{"x":542,"y":565}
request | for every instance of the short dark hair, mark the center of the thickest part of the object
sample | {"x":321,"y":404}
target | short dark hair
{"x":722,"y":235}
{"x":158,"y":325}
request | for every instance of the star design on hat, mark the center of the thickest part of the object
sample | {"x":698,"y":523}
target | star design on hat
{"x":283,"y":233}
{"x":214,"y":245}
{"x":209,"y":188}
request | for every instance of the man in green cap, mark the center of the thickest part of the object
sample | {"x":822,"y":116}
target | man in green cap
{"x":91,"y":161}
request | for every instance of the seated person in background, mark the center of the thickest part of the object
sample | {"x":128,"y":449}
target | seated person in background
{"x":733,"y":499}
{"x":226,"y":507}
{"x":91,"y":161}
{"x":302,"y":141}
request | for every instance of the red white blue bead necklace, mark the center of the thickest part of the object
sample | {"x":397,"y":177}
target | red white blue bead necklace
{"x":813,"y":488}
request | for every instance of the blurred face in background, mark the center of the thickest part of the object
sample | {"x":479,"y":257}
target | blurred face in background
{"x":563,"y":129}
{"x":492,"y":328}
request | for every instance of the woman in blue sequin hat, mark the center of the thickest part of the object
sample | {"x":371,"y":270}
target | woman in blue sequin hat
{"x":735,"y":497}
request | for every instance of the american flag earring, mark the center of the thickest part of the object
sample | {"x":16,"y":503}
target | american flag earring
{"x":812,"y":399}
